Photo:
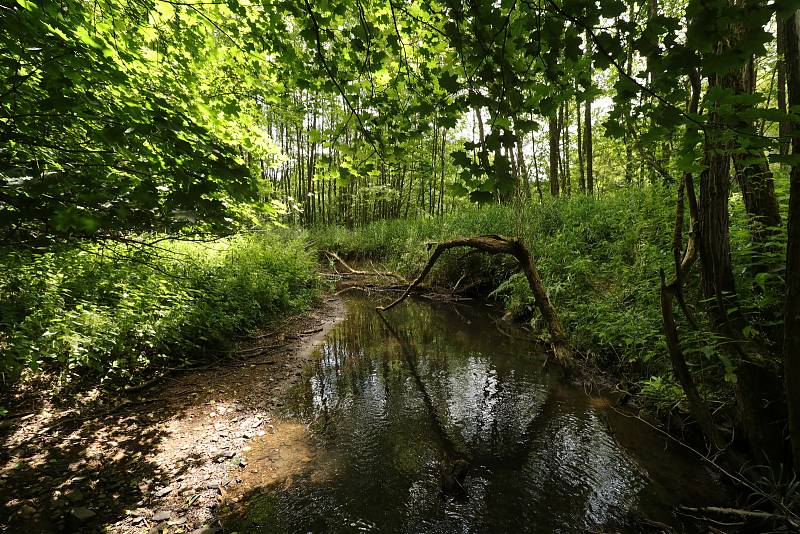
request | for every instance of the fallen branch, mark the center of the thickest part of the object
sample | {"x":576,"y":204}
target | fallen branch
{"x":390,"y":274}
{"x":496,"y":244}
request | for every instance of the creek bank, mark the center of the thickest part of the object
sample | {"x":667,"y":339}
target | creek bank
{"x":160,"y":459}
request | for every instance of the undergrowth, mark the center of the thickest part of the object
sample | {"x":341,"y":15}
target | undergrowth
{"x":107,"y":311}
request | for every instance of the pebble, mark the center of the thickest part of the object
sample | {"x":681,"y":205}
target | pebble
{"x":82,"y":514}
{"x":163,"y":492}
{"x":161,"y":516}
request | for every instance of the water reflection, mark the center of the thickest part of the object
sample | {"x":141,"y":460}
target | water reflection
{"x":392,"y":407}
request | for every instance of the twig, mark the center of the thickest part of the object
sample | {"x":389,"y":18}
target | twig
{"x":746,"y":514}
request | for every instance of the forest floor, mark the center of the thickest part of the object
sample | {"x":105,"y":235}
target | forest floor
{"x":163,"y":459}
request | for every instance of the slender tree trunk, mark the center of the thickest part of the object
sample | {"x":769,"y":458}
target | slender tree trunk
{"x":587,"y":124}
{"x":578,"y":138}
{"x":567,"y":180}
{"x":719,"y":286}
{"x":752,"y":170}
{"x":683,"y":263}
{"x":629,"y":164}
{"x":554,"y":153}
{"x":783,"y":126}
{"x":536,"y":168}
{"x":588,"y":147}
{"x":523,"y":168}
{"x":791,"y":345}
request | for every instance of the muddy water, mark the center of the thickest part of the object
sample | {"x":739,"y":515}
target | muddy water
{"x":386,"y":417}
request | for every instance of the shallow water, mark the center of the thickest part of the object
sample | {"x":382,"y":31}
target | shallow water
{"x":384,"y":413}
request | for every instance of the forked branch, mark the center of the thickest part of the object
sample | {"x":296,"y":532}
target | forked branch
{"x":496,"y":244}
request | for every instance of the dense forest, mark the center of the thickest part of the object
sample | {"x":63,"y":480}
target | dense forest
{"x":621,"y":176}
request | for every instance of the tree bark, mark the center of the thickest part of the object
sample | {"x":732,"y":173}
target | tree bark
{"x":791,"y":345}
{"x":752,"y":170}
{"x":578,"y":138}
{"x":783,"y":126}
{"x":495,"y":244}
{"x":554,"y":153}
{"x":587,"y":123}
{"x":719,"y":287}
{"x":683,"y":263}
{"x":523,"y":168}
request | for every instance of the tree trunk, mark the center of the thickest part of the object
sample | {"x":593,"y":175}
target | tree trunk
{"x":587,"y":124}
{"x":566,"y":185}
{"x":791,"y":345}
{"x":783,"y":126}
{"x":752,"y":171}
{"x":719,"y":286}
{"x":578,"y":135}
{"x":629,"y":164}
{"x":536,"y":168}
{"x":523,"y":168}
{"x":554,"y":153}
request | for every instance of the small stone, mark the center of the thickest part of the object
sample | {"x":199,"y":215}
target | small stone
{"x":179,"y":521}
{"x":212,"y":484}
{"x":82,"y":514}
{"x":163,"y":492}
{"x":161,"y":516}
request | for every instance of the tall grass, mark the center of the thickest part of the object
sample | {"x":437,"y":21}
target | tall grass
{"x":106,"y":311}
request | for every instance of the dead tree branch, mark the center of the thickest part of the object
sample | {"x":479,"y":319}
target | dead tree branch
{"x":496,"y":244}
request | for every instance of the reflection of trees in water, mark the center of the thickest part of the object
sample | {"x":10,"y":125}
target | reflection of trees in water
{"x":486,"y":394}
{"x":396,"y":400}
{"x":475,"y":408}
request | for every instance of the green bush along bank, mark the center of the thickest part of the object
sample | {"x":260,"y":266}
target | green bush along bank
{"x":109,"y":310}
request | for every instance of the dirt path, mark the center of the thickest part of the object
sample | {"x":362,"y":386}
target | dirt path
{"x":160,"y":460}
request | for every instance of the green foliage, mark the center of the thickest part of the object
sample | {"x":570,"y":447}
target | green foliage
{"x":105,"y":125}
{"x":662,"y":393}
{"x":110,"y":311}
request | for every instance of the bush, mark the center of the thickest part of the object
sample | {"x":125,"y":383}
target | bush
{"x":110,"y":311}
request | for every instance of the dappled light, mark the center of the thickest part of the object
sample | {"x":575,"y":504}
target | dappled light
{"x":560,"y":240}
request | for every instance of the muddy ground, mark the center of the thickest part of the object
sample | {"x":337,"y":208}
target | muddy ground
{"x":166,"y":458}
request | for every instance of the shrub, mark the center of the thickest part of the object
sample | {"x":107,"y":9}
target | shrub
{"x":110,"y":311}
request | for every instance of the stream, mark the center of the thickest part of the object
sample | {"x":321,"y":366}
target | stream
{"x":443,"y":420}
